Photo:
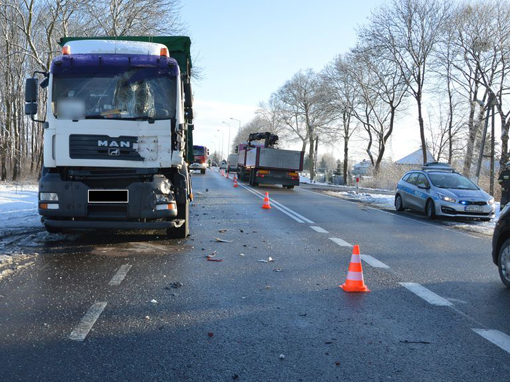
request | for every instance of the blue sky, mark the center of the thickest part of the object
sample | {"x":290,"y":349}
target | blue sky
{"x":248,"y":49}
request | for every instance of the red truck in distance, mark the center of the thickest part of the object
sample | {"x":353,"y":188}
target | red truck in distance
{"x":201,"y":158}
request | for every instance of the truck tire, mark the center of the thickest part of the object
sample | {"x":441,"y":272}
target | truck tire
{"x":183,"y":231}
{"x":289,"y":187}
{"x":252,"y":179}
{"x":202,"y":171}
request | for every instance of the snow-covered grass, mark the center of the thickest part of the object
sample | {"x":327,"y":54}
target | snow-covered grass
{"x":386,"y":202}
{"x":18,"y":206}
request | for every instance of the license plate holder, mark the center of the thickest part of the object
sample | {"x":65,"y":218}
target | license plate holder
{"x":108,"y":196}
{"x":474,"y":209}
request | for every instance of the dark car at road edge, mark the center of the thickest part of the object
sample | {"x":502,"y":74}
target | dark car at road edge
{"x":501,"y":245}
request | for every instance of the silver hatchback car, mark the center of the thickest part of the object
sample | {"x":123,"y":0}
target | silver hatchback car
{"x":438,"y":190}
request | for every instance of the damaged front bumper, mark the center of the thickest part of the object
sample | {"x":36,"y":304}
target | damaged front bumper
{"x":143,"y":205}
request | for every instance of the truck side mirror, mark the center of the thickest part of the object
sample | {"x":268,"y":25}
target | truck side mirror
{"x":31,"y":108}
{"x":31,"y":89}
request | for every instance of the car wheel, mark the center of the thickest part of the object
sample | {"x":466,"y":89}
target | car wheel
{"x":430,"y":209}
{"x":399,"y":205}
{"x":504,"y":263}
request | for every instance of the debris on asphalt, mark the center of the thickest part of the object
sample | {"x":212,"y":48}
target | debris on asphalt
{"x":175,"y":285}
{"x":303,"y":314}
{"x":270,"y":259}
{"x":337,"y":363}
{"x":282,"y":356}
{"x":147,"y":318}
{"x":223,"y":230}
{"x":211,"y":257}
{"x":262,"y":261}
{"x":277,"y":270}
{"x":241,"y":254}
{"x":240,"y":230}
{"x":222,"y":240}
{"x":210,"y":334}
{"x":206,"y":190}
{"x":235,"y":377}
{"x":415,"y":342}
{"x":154,"y":301}
{"x":212,"y":254}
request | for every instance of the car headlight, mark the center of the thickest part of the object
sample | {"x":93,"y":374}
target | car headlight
{"x":446,"y":198}
{"x":490,"y":202}
{"x":48,"y":196}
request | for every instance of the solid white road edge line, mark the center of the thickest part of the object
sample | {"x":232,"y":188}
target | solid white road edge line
{"x":120,"y":275}
{"x":498,"y":338}
{"x":87,"y":322}
{"x":318,"y":229}
{"x":340,"y":242}
{"x":372,"y":261}
{"x":272,"y":202}
{"x":426,"y":294}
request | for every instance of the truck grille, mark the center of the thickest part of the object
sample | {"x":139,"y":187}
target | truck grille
{"x":103,"y":147}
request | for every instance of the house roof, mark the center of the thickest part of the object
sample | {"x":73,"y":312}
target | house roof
{"x":415,"y":158}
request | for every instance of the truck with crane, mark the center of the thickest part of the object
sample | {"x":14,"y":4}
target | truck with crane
{"x":264,"y":163}
{"x":117,"y":134}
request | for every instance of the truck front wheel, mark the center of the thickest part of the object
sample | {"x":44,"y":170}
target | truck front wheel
{"x":183,"y":231}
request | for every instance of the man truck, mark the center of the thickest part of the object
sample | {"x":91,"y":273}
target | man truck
{"x":264,"y":163}
{"x":117,"y":135}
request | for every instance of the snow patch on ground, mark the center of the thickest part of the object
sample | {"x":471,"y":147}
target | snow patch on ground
{"x":18,"y":206}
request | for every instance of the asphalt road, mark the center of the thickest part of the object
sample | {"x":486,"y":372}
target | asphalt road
{"x":118,"y":306}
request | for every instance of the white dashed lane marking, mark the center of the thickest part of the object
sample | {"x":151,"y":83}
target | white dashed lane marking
{"x":120,"y":275}
{"x":87,"y":322}
{"x":426,"y":294}
{"x":318,"y":229}
{"x":340,"y":242}
{"x":496,"y":337}
{"x":373,"y":262}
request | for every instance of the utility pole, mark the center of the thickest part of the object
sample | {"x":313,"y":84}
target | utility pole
{"x":492,"y":149}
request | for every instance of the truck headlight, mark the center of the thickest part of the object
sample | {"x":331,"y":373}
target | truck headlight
{"x":446,"y":198}
{"x":160,"y":198}
{"x":48,"y":196}
{"x":490,"y":202}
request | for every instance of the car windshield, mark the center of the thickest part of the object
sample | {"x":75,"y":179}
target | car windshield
{"x":125,"y":93}
{"x":451,"y":180}
{"x":198,"y":150}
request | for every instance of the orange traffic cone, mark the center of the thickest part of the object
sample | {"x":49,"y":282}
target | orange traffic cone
{"x":354,"y":282}
{"x":266,"y":204}
{"x":235,"y":181}
{"x":226,"y":175}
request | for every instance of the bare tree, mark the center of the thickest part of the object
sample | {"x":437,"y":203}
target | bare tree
{"x":305,"y":111}
{"x":408,"y":30}
{"x":342,"y":95}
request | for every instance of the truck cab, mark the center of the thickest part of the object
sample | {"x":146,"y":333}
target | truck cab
{"x":117,"y":126}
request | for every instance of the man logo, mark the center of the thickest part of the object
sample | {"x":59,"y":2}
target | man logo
{"x":113,"y":152}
